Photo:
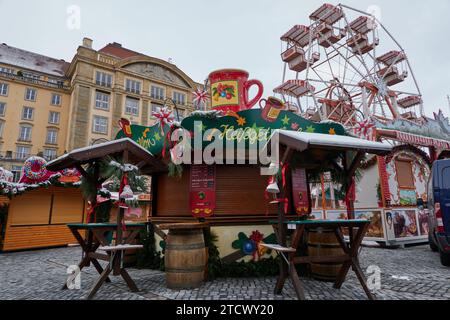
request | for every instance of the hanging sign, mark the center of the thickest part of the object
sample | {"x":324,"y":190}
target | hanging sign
{"x":300,"y":192}
{"x":202,"y":190}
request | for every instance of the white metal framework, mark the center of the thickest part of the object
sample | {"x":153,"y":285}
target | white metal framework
{"x":337,"y":68}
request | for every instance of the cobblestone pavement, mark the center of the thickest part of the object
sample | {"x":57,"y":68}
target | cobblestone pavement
{"x":411,"y":273}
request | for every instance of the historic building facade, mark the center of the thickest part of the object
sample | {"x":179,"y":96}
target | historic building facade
{"x":49,"y":106}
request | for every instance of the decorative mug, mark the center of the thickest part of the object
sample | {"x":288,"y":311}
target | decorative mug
{"x":230,"y":88}
{"x":125,"y":125}
{"x":271,"y":109}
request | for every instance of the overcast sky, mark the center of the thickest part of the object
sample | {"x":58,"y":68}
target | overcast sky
{"x":201,"y":36}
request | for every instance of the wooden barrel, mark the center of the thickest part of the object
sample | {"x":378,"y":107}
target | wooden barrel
{"x":323,"y":242}
{"x":185,"y":258}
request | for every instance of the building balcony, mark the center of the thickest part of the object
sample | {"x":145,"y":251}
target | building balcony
{"x":20,"y":157}
{"x":38,"y":82}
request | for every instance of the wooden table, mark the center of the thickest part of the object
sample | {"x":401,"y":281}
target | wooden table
{"x":356,"y":230}
{"x":95,"y":241}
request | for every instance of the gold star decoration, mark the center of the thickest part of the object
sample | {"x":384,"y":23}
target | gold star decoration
{"x":332,"y":131}
{"x":201,"y":126}
{"x":286,"y":120}
{"x":241,"y":121}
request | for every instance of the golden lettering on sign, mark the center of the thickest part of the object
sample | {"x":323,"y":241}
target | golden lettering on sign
{"x":146,"y":143}
{"x":247,"y":134}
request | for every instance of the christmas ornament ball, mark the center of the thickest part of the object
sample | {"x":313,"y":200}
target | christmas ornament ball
{"x":249,"y":247}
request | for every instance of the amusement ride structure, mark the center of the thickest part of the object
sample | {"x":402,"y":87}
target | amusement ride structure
{"x":336,"y":68}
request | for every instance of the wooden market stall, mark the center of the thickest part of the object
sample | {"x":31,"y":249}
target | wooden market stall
{"x":128,"y":159}
{"x":35,"y":210}
{"x":38,"y":218}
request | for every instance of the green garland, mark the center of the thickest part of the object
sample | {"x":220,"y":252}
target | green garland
{"x":175,"y":170}
{"x":11,"y":189}
{"x":149,"y":257}
{"x":152,"y":259}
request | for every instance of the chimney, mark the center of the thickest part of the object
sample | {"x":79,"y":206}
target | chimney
{"x":118,"y":45}
{"x":87,"y":42}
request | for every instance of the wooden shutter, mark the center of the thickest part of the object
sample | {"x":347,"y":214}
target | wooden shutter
{"x":31,"y":208}
{"x":240,"y":190}
{"x":68,"y":205}
{"x":172,"y":196}
{"x":405,"y":176}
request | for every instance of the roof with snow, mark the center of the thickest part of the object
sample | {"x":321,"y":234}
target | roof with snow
{"x":32,"y":61}
{"x":136,"y":155}
{"x":321,"y":152}
{"x":301,"y":141}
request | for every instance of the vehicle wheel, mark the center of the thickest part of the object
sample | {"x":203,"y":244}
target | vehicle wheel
{"x":445,"y":259}
{"x":433,"y":245}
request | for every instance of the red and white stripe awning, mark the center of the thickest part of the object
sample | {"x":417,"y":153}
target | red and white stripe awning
{"x":414,"y":139}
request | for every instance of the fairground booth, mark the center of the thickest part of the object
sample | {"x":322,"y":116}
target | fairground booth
{"x":35,"y":211}
{"x":247,"y":212}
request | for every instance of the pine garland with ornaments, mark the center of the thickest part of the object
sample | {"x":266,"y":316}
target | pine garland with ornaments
{"x":35,"y":175}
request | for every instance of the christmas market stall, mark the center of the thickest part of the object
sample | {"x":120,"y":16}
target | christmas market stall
{"x":118,"y":162}
{"x":230,"y":193}
{"x":35,"y":211}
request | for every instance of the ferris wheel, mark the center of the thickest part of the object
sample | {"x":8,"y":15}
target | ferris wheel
{"x":345,"y":66}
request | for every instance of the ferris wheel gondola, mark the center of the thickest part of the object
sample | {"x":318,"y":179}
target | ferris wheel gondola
{"x":333,"y":71}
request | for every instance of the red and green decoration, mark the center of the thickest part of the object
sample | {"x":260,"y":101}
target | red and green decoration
{"x":251,"y":245}
{"x":226,"y":91}
{"x":153,"y":138}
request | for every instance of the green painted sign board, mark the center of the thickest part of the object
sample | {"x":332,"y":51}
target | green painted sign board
{"x":236,"y":126}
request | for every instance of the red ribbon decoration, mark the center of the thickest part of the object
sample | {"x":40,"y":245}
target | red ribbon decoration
{"x":286,"y":203}
{"x":123,"y":183}
{"x":92,"y":211}
{"x":285,"y":200}
{"x":164,"y":116}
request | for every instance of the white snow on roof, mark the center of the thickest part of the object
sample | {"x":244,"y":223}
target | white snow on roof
{"x":335,"y":140}
{"x":32,"y":61}
{"x":95,"y":146}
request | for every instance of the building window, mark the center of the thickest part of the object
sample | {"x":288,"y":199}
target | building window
{"x":157,"y":93}
{"x":100,"y":125}
{"x":6,"y":70}
{"x":23,"y":152}
{"x":56,"y":99}
{"x":405,"y":175}
{"x":25,"y":133}
{"x":132,"y":106}
{"x":155,"y":108}
{"x":53,"y":117}
{"x":49,"y":154}
{"x":52,"y":136}
{"x":3,"y":89}
{"x":103,"y":79}
{"x":2,"y":108}
{"x":101,"y":100}
{"x":2,"y":126}
{"x":179,"y":98}
{"x":30,"y":94}
{"x":133,"y":86}
{"x":27,"y":113}
{"x":17,"y":172}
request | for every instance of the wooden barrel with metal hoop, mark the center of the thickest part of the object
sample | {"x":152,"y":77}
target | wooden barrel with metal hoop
{"x":323,"y":242}
{"x":185,"y":255}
